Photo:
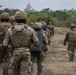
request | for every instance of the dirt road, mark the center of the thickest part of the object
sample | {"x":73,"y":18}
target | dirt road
{"x":57,"y":60}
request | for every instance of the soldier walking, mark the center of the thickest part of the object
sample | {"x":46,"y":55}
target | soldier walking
{"x":37,"y":54}
{"x":71,"y":39}
{"x":4,"y":55}
{"x":20,"y":35}
{"x":51,"y":29}
{"x":12,"y":20}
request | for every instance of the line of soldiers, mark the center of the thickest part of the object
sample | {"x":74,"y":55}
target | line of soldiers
{"x":21,"y":46}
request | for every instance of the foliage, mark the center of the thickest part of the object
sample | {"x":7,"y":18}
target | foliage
{"x":31,"y":18}
{"x":58,"y":17}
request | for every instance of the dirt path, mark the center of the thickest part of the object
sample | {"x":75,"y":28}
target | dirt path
{"x":57,"y":62}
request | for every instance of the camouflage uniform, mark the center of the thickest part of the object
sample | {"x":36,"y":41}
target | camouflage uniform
{"x":31,"y":25}
{"x":51,"y":29}
{"x":20,"y":35}
{"x":12,"y":20}
{"x":45,"y":30}
{"x":71,"y":42}
{"x":4,"y":25}
{"x":37,"y":54}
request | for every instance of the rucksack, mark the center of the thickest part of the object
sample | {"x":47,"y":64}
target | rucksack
{"x":40,"y":36}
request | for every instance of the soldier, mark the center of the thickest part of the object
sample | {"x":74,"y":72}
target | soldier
{"x":71,"y":39}
{"x":38,"y":53}
{"x":12,"y":20}
{"x":31,"y":25}
{"x":20,"y":35}
{"x":51,"y":29}
{"x":4,"y":25}
{"x":45,"y":30}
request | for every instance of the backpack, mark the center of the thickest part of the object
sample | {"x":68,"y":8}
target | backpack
{"x":40,"y":36}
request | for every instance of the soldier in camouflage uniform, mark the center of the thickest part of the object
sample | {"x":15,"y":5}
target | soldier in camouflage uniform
{"x":45,"y":30}
{"x":38,"y":53}
{"x":4,"y":25}
{"x":20,"y":35}
{"x":71,"y":39}
{"x":31,"y":25}
{"x":51,"y":29}
{"x":12,"y":20}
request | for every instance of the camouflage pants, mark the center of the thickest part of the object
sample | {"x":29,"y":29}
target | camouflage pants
{"x":71,"y":50}
{"x":5,"y":66}
{"x":49,"y":40}
{"x":1,"y":54}
{"x":37,"y":57}
{"x":19,"y":63}
{"x":6,"y":60}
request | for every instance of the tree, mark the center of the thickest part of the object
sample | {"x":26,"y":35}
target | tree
{"x":6,"y":10}
{"x":29,"y":8}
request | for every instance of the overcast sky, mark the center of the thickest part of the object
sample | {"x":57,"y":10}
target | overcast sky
{"x":39,"y":4}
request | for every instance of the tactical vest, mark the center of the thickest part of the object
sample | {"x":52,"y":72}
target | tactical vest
{"x":3,"y":29}
{"x":20,"y":38}
{"x":40,"y":38}
{"x":72,"y":36}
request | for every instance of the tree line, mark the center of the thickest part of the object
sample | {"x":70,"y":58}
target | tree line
{"x":58,"y":17}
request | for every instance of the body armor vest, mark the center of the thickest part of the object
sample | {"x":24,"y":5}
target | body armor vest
{"x":72,"y":36}
{"x":20,"y":38}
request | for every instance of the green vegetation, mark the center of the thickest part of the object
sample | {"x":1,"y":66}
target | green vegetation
{"x":58,"y":17}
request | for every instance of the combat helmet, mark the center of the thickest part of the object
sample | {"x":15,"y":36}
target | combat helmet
{"x":20,"y":15}
{"x":72,"y":25}
{"x":50,"y":22}
{"x":5,"y":15}
{"x":12,"y":18}
{"x":32,"y":24}
{"x":43,"y":23}
{"x":37,"y":25}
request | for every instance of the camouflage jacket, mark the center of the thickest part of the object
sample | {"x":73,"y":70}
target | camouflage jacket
{"x":3,"y":29}
{"x":51,"y":29}
{"x":67,"y":37}
{"x":29,"y":32}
